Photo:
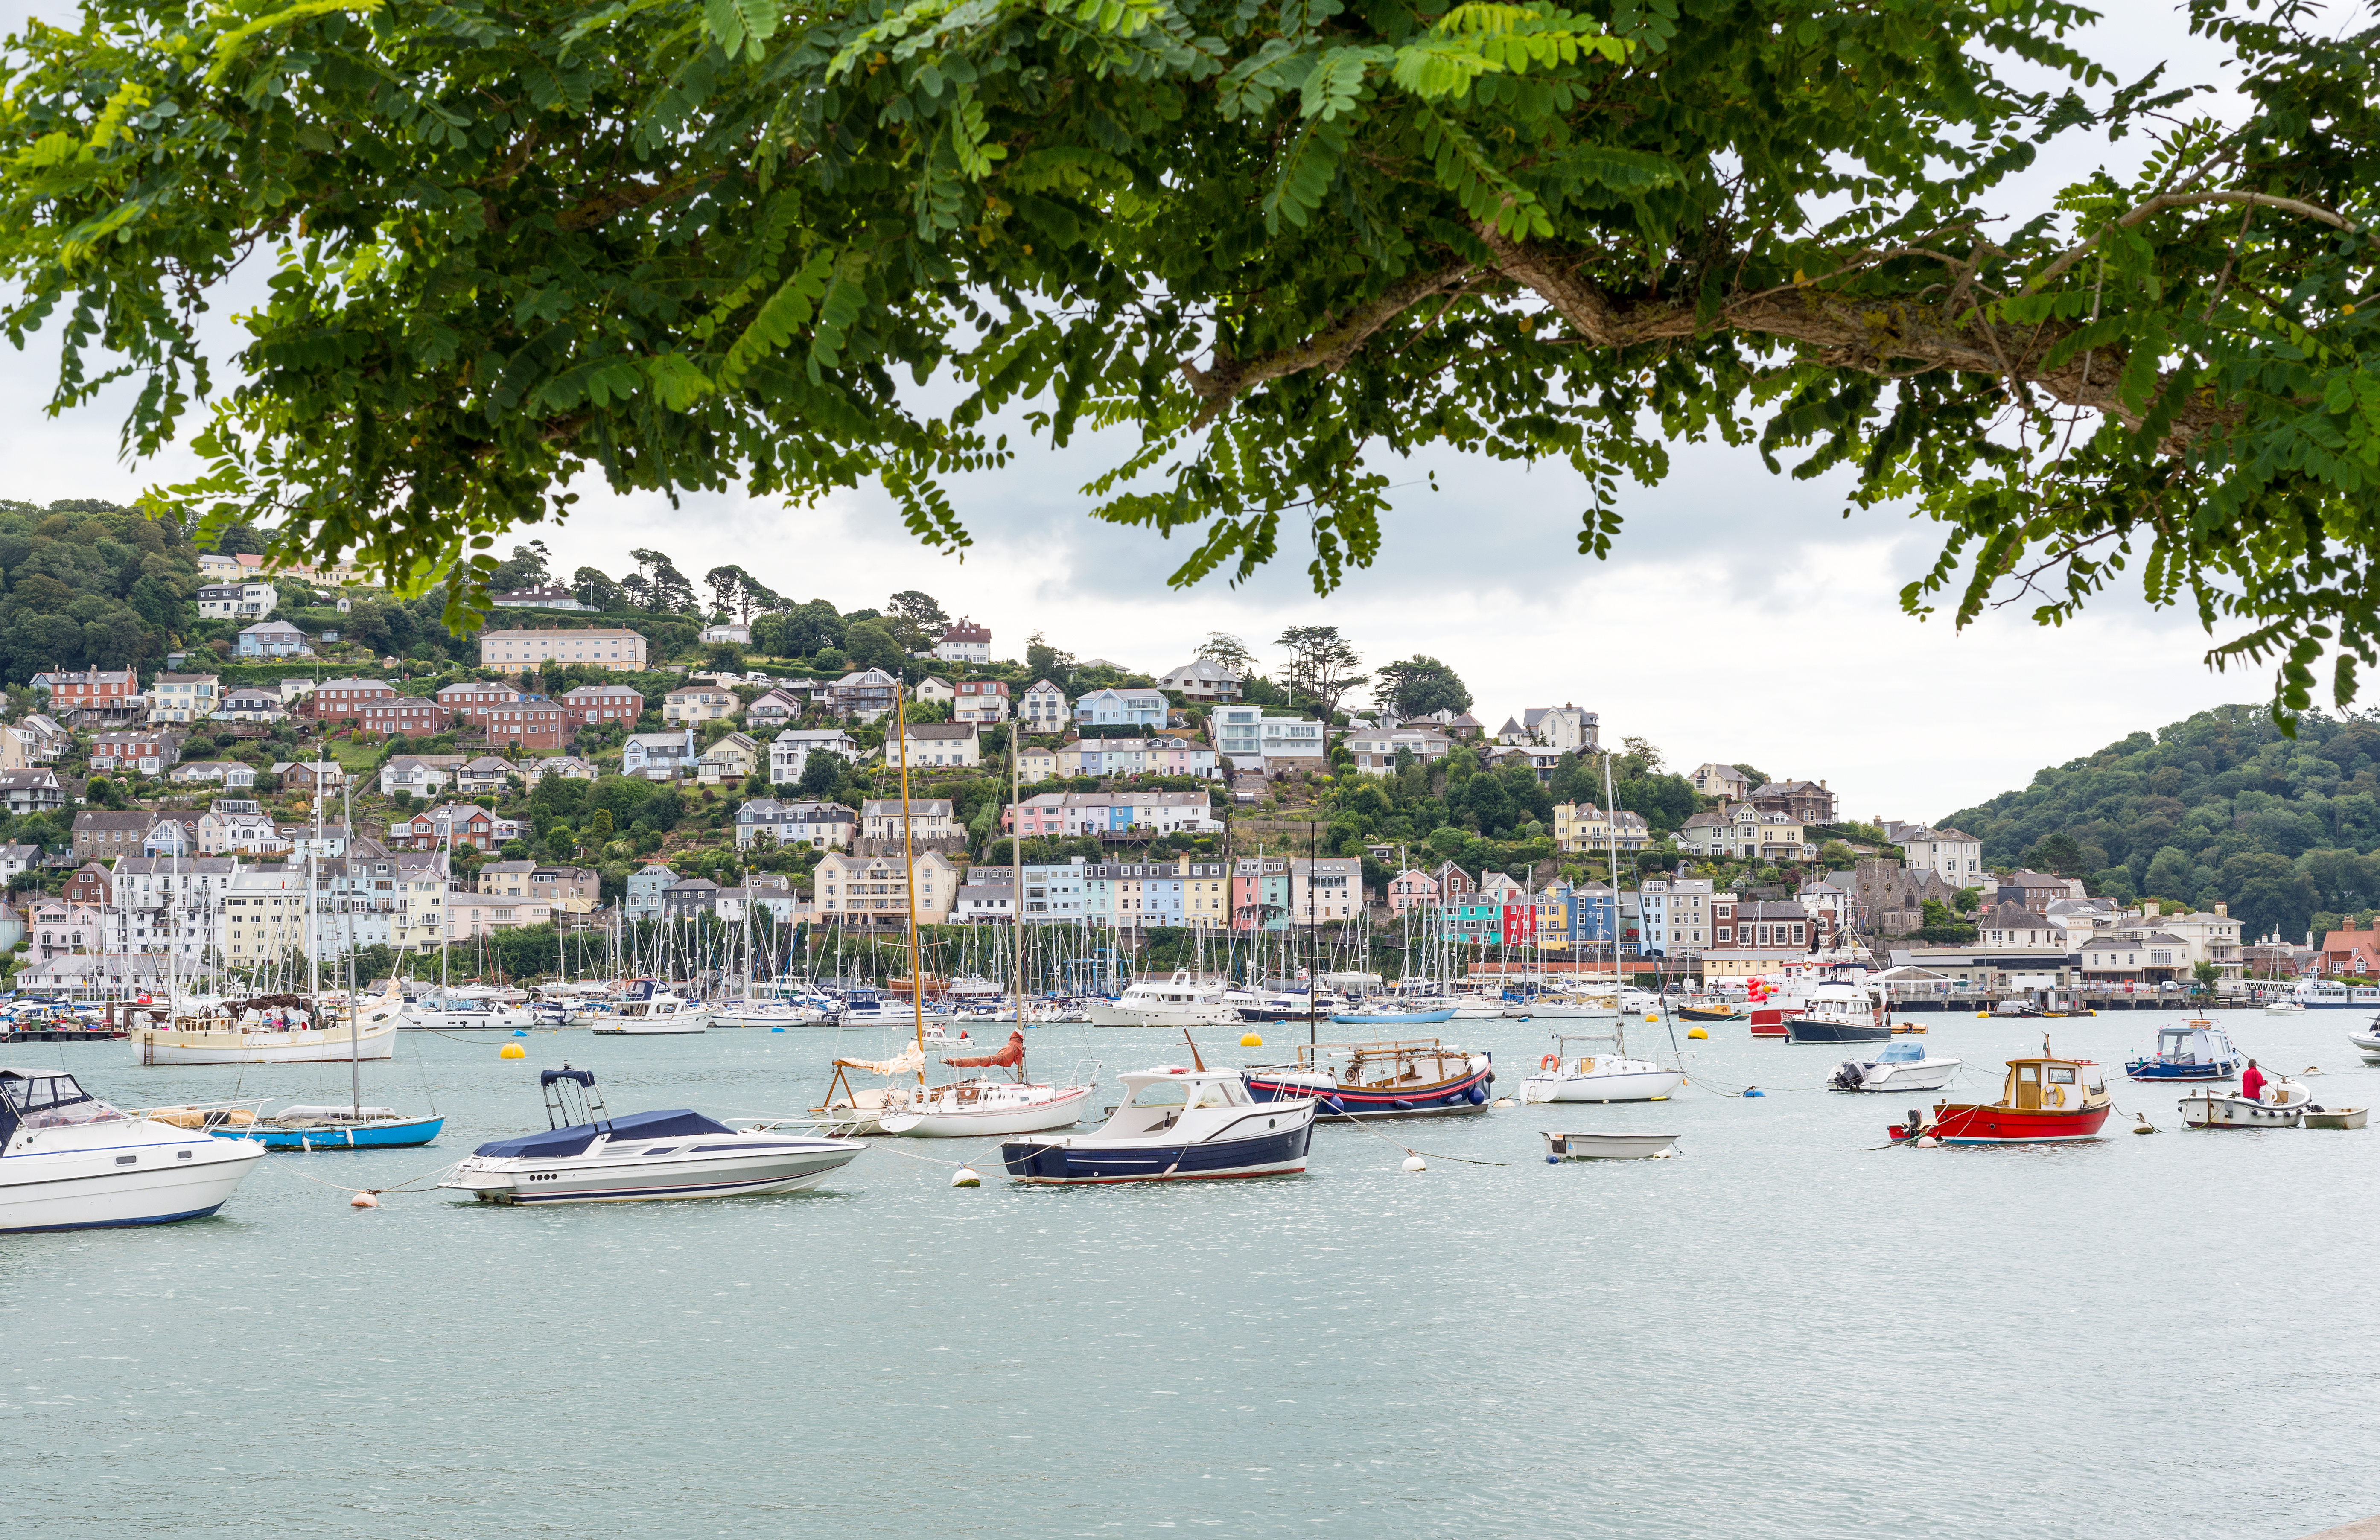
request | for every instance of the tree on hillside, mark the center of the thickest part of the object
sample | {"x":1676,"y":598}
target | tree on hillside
{"x":2058,"y":855}
{"x":1756,"y":777}
{"x":919,"y":609}
{"x":1643,"y":752}
{"x":597,"y":590}
{"x":1321,"y":665}
{"x":869,"y":644}
{"x":526,"y":570}
{"x":1223,"y":647}
{"x":665,"y":591}
{"x":1287,"y":244}
{"x":1045,"y":661}
{"x":1419,"y":686}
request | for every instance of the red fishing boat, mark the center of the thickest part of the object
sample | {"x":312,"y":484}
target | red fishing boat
{"x":2042,"y":1101}
{"x":1770,"y":1007}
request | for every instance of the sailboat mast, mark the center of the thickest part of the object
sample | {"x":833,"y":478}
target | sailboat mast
{"x":355,"y":1067}
{"x":1016,"y":867}
{"x":909,"y":887}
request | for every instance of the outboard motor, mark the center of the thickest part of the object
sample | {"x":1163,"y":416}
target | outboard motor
{"x":1849,"y":1075}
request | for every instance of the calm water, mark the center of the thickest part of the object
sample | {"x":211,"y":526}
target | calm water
{"x":1785,"y":1332}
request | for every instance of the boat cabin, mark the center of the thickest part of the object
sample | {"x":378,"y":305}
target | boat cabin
{"x":2051,"y":1085}
{"x":1154,"y":1100}
{"x":2199,"y":1042}
{"x":1902,"y":1050}
{"x":44,"y":1099}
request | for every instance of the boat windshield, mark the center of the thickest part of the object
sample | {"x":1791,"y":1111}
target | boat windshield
{"x":51,"y":1101}
{"x":1160,"y":1093}
{"x":1902,"y":1053}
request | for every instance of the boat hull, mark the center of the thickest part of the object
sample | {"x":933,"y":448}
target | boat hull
{"x":1921,"y":1076}
{"x":1771,"y":1022}
{"x":1608,"y":1147}
{"x":937,"y":1121}
{"x":2150,"y":1070}
{"x":2336,"y":1117}
{"x":788,"y":1166}
{"x":2208,"y":1109}
{"x":398,"y":1133}
{"x":311,"y":1045}
{"x":1108,"y":1012}
{"x":1697,"y":1014}
{"x":1394,"y":1018}
{"x":83,"y":1188}
{"x":2003,"y":1125}
{"x":1801,"y":1029}
{"x":1337,"y":1102}
{"x":1274,"y":1152}
{"x":1627,"y":1085}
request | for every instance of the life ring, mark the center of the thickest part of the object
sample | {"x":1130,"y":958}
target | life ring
{"x":2055,"y":1095}
{"x":1550,"y":1063}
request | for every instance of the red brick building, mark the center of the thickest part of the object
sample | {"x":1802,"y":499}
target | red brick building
{"x":474,"y":827}
{"x":602,"y":703}
{"x":410,"y":716}
{"x":509,"y":717}
{"x":95,"y":688}
{"x":343,"y":700}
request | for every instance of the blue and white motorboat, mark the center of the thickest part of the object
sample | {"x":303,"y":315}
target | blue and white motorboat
{"x":70,"y":1161}
{"x":1174,"y":1125}
{"x":1903,"y":1066}
{"x":2195,"y":1050}
{"x":587,"y":1156}
{"x":307,"y":1129}
{"x":1391,"y":1018}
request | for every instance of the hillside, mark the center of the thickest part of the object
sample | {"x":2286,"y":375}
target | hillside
{"x":2219,"y":806}
{"x":89,"y":585}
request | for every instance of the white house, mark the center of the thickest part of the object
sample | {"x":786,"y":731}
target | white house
{"x":1124,"y":707}
{"x":1042,"y":708}
{"x":1203,"y":679}
{"x":1958,"y":858}
{"x":936,"y":744}
{"x":965,"y":642}
{"x":790,"y":751}
{"x":658,"y":756}
{"x":820,"y":825}
{"x":237,"y":601}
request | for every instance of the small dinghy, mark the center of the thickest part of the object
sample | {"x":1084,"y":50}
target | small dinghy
{"x":2285,"y":1102}
{"x":2333,"y":1117}
{"x":1609,"y":1146}
{"x":1174,"y":1125}
{"x":1901,"y":1066}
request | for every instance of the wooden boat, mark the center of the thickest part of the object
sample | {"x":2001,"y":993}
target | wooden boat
{"x":2043,"y":1100}
{"x":1709,"y":1013}
{"x":1609,"y":1146}
{"x":2333,"y":1117}
{"x":2285,"y":1101}
{"x":1412,"y":1077}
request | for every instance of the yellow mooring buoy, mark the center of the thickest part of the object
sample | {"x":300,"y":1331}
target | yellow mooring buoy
{"x":512,"y":1050}
{"x":1250,"y":1039}
{"x":1696,"y":1032}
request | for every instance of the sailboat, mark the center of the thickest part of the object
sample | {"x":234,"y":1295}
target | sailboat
{"x":354,"y":1127}
{"x":979,"y":1105}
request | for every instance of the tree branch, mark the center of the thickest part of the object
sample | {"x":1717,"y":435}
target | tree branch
{"x":2189,"y":199}
{"x":1328,"y":349}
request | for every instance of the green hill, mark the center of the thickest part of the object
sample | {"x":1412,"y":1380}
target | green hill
{"x":89,"y":585}
{"x":2220,"y":807}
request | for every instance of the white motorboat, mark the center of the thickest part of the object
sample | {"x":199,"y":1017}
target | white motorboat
{"x":70,"y":1161}
{"x":1562,"y":1075}
{"x":2366,"y":1042}
{"x":766,"y":1013}
{"x":2284,"y":1102}
{"x":1572,"y":1008}
{"x":468,"y":1013}
{"x":1901,"y":1066}
{"x":1183,"y":1000}
{"x":587,"y":1156}
{"x":1609,"y":1146}
{"x":265,"y":1037}
{"x":1471,"y":1006}
{"x":1174,"y":1125}
{"x":648,"y":1010}
{"x":983,"y":1105}
{"x":2285,"y":1007}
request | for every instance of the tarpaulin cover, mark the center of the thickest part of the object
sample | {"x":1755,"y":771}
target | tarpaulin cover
{"x":909,"y":1061}
{"x":575,"y":1139}
{"x":584,"y":1077}
{"x":1006,"y":1058}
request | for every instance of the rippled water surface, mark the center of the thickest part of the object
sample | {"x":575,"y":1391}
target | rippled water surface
{"x":1785,"y":1332}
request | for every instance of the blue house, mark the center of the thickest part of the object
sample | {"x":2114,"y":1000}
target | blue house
{"x":1113,"y":708}
{"x":646,"y":886}
{"x":273,"y":638}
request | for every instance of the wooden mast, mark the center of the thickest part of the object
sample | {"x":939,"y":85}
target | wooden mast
{"x":909,"y":858}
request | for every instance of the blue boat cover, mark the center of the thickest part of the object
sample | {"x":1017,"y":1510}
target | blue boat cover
{"x":584,"y":1077}
{"x":575,"y":1139}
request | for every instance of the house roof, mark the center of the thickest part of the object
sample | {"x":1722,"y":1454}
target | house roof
{"x":965,"y":631}
{"x":943,"y":729}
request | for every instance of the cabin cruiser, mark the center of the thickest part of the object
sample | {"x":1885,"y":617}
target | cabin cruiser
{"x":459,"y":1012}
{"x":70,"y":1161}
{"x":1174,"y":1125}
{"x":587,"y":1156}
{"x":1181,"y":1001}
{"x":272,"y":1029}
{"x":1286,"y":1002}
{"x":2042,"y":1101}
{"x":2324,"y":994}
{"x":2195,"y":1050}
{"x":645,"y":1009}
{"x":1840,"y":1013}
{"x":1564,"y":1075}
{"x":1901,"y":1066}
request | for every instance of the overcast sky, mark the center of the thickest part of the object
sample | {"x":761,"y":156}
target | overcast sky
{"x":1742,"y":619}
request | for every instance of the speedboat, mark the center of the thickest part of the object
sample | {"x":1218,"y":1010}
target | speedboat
{"x":2043,"y":1101}
{"x":2284,"y":1007}
{"x":587,"y":1156}
{"x":1356,"y":1082}
{"x":2196,"y":1050}
{"x":1564,"y":1076}
{"x":983,"y":1105}
{"x":1174,"y":1125}
{"x":70,"y":1161}
{"x":2367,"y":1042}
{"x":2284,"y":1102}
{"x":1901,"y":1066}
{"x":646,"y":1010}
{"x":1840,"y":1013}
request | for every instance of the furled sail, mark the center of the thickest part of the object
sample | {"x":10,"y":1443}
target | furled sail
{"x":909,"y":1060}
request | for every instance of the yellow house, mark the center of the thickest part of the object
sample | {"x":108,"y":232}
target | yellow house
{"x":1036,"y":764}
{"x":1584,"y":826}
{"x":733,"y":757}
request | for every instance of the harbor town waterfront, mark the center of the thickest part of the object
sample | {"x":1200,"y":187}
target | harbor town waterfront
{"x":1783,"y":1329}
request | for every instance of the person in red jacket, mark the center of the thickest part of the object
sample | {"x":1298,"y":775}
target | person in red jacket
{"x":2251,"y":1083}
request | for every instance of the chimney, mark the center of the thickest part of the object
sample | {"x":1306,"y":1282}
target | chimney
{"x":2149,"y":910}
{"x":2222,"y":910}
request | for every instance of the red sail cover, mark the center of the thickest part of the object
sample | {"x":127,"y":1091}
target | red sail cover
{"x":1006,"y":1058}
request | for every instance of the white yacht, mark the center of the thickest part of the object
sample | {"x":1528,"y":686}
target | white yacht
{"x":70,"y":1161}
{"x":587,"y":1156}
{"x":1564,"y":1075}
{"x":1183,"y":1000}
{"x":648,"y":1010}
{"x":466,"y":1014}
{"x":984,"y":1104}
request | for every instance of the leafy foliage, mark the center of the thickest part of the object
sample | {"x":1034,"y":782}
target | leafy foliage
{"x":677,"y":244}
{"x":89,"y":584}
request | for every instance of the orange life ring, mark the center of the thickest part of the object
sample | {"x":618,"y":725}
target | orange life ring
{"x":1550,"y":1063}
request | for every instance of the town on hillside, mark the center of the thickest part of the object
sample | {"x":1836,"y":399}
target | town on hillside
{"x":606,"y":754}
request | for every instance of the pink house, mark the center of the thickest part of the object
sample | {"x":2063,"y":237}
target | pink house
{"x":1409,"y":888}
{"x":1043,"y":816}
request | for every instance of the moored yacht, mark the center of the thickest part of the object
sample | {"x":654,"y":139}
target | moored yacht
{"x":1183,"y":1000}
{"x":1901,"y":1066}
{"x":587,"y":1156}
{"x":1841,"y":1013}
{"x":1415,"y":1078}
{"x":983,"y":1104}
{"x":70,"y":1161}
{"x":1564,"y":1075}
{"x":647,"y":1009}
{"x":1174,"y":1125}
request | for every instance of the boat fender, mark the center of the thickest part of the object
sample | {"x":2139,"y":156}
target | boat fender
{"x":1927,"y":1141}
{"x":1402,"y":1105}
{"x":1476,"y":1097}
{"x":1553,"y":1159}
{"x":1336,"y":1108}
{"x":1754,"y":1091}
